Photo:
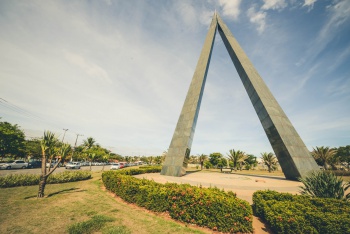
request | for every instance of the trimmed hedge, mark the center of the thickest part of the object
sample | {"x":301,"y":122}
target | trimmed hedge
{"x":287,"y":213}
{"x":14,"y":180}
{"x":207,"y":207}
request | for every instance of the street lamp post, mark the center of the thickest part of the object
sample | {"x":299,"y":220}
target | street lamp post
{"x":65,"y":130}
{"x":75,"y":145}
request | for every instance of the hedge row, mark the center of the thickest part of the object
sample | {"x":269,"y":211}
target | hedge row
{"x":287,"y":213}
{"x":207,"y":207}
{"x":14,"y":180}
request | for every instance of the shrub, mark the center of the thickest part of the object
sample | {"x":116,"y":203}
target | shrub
{"x":90,"y":226}
{"x":287,"y":213}
{"x":324,"y":184}
{"x":14,"y":180}
{"x":209,"y":207}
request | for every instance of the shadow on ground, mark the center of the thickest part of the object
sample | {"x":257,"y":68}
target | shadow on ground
{"x":70,"y":190}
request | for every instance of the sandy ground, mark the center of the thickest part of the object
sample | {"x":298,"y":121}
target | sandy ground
{"x":243,"y":185}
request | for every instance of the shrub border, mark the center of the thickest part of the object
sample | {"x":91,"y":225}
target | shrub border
{"x":287,"y":213}
{"x":15,"y":180}
{"x":207,"y":207}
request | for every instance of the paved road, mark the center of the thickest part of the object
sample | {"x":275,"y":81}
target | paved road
{"x":38,"y":170}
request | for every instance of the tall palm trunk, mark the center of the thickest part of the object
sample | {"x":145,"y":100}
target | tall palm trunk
{"x":43,"y":176}
{"x":42,"y":185}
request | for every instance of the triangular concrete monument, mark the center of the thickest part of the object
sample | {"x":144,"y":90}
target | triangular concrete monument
{"x":291,"y":152}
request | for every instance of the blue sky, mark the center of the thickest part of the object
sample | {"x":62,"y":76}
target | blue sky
{"x":119,"y":71}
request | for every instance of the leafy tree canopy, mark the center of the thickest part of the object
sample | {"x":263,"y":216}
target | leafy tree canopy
{"x":215,"y":158}
{"x":12,"y":140}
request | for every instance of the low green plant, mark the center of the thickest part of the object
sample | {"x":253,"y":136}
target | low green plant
{"x":14,"y":180}
{"x":116,"y":230}
{"x":324,"y":184}
{"x":90,"y":226}
{"x":287,"y":213}
{"x":208,"y":207}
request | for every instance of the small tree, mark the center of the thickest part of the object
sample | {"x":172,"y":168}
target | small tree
{"x":237,"y":157}
{"x":50,"y":149}
{"x":202,"y":158}
{"x":91,"y":157}
{"x":270,"y":160}
{"x":250,"y":162}
{"x":215,"y":158}
{"x":324,"y":156}
{"x":105,"y":159}
{"x":324,"y":184}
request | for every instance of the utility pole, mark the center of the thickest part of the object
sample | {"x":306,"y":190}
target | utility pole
{"x":75,"y":145}
{"x":65,"y":130}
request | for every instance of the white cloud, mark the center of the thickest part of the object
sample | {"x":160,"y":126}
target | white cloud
{"x":90,"y":68}
{"x":339,"y":14}
{"x":258,"y":18}
{"x":274,"y":4}
{"x":230,"y":8}
{"x":309,"y":4}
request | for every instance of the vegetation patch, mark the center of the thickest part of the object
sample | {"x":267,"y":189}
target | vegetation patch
{"x":90,"y":226}
{"x":14,"y":180}
{"x":287,"y":213}
{"x":207,"y":207}
{"x":116,"y":230}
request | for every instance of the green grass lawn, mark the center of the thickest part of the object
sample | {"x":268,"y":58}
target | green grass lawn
{"x":77,"y":206}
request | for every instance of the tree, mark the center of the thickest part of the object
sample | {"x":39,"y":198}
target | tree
{"x":91,"y":157}
{"x":150,"y":160}
{"x":12,"y":140}
{"x":193,"y":159}
{"x":237,"y":157}
{"x":202,"y":158}
{"x":270,"y":160}
{"x":33,"y":148}
{"x":50,"y":149}
{"x":343,"y":153}
{"x":158,"y":160}
{"x":215,"y":158}
{"x":250,"y":162}
{"x":324,"y":156}
{"x":105,"y":159}
{"x":89,"y":143}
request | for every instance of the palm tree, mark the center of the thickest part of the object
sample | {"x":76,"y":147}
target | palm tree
{"x":92,"y":157}
{"x":49,"y":150}
{"x":150,"y":160}
{"x":105,"y":159}
{"x":201,"y":159}
{"x":270,"y":160}
{"x":89,"y":143}
{"x":237,"y":157}
{"x":324,"y":155}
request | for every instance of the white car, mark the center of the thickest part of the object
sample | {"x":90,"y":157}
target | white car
{"x":14,"y":165}
{"x":73,"y":165}
{"x":115,"y":166}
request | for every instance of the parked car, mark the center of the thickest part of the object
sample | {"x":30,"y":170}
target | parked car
{"x":34,"y":164}
{"x":53,"y":164}
{"x":14,"y":165}
{"x":73,"y":165}
{"x":115,"y":166}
